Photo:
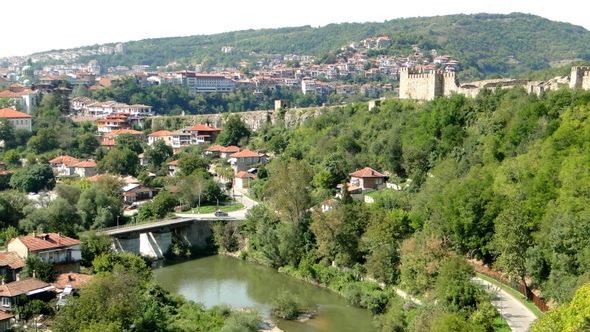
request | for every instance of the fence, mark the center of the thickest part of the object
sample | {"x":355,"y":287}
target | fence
{"x":520,"y":287}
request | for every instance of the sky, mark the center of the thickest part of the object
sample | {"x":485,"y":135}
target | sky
{"x":43,"y":25}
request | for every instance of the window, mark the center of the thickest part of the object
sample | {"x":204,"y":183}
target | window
{"x":5,"y":302}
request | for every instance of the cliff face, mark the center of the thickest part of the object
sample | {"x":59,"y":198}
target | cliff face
{"x":253,"y":119}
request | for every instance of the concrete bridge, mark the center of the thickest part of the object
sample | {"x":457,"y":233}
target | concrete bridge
{"x":154,"y":239}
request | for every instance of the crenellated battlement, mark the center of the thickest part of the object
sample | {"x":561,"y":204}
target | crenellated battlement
{"x":580,"y":77}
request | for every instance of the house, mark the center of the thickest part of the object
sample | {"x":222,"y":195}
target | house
{"x":63,"y":165}
{"x":10,"y":265}
{"x":25,"y":98}
{"x":195,"y":135}
{"x":5,"y":321}
{"x":19,"y":120}
{"x":367,"y":178}
{"x":113,"y":123}
{"x":214,"y":150}
{"x":62,"y":251}
{"x":172,"y":167}
{"x":245,"y":159}
{"x":133,"y":192}
{"x":242,"y":179}
{"x":70,"y":280}
{"x":115,"y":133}
{"x":10,"y":293}
{"x":228,"y":151}
{"x":204,"y":133}
{"x":85,"y":168}
{"x":160,"y":135}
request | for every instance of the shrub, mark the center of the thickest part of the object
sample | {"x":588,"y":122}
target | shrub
{"x":285,"y":306}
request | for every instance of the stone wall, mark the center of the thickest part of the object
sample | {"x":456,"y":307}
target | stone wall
{"x":255,"y":120}
{"x":580,"y":78}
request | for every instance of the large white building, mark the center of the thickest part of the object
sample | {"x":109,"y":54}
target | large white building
{"x":202,"y":83}
{"x":18,"y":119}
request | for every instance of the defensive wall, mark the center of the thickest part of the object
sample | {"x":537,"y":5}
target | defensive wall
{"x":427,"y":86}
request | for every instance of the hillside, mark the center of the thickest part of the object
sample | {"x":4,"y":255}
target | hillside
{"x":485,"y":44}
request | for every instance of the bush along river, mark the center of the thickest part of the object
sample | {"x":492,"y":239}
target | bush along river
{"x":217,"y":280}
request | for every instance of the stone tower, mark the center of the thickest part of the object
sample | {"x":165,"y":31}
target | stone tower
{"x":580,"y":78}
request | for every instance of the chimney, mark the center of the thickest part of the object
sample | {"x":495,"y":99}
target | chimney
{"x":17,"y":277}
{"x":35,"y":233}
{"x":2,"y":280}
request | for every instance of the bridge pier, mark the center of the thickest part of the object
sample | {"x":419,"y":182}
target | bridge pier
{"x":154,"y":245}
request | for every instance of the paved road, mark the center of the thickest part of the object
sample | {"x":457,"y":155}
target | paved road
{"x":516,"y":314}
{"x":239,"y":214}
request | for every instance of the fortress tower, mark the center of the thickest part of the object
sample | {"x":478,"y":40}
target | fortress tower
{"x":421,"y":86}
{"x":580,"y":78}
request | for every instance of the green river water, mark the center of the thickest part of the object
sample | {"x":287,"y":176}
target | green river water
{"x":220,"y":279}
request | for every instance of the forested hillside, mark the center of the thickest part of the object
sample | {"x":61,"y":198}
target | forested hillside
{"x":485,"y":44}
{"x":503,"y":177}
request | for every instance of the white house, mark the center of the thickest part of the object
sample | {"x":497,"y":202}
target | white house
{"x":85,"y":168}
{"x":63,"y":165}
{"x":18,"y":119}
{"x":62,"y":251}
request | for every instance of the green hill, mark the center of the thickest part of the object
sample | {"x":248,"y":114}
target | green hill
{"x":485,"y":44}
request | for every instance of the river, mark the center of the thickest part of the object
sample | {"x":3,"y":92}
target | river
{"x":216,"y":280}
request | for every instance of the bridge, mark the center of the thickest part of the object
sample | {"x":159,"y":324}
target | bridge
{"x":154,"y":239}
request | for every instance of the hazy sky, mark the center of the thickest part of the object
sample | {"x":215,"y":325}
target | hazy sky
{"x":42,"y":25}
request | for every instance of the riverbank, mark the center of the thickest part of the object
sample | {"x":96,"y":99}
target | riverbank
{"x":222,"y":280}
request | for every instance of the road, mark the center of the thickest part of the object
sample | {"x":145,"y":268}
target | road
{"x":240,"y":197}
{"x":516,"y":314}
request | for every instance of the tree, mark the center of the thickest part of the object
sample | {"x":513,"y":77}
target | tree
{"x":33,"y":178}
{"x":45,"y":140}
{"x":97,"y":209}
{"x":128,"y":141}
{"x":86,"y":144}
{"x":120,"y":161}
{"x":512,"y":239}
{"x":157,"y":154}
{"x":288,"y":189}
{"x":233,"y":132}
{"x":68,"y":192}
{"x":41,"y":270}
{"x":190,"y":163}
{"x":570,"y":317}
{"x":94,"y":245}
{"x":7,"y":133}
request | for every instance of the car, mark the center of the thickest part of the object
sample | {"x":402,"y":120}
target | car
{"x":220,"y":213}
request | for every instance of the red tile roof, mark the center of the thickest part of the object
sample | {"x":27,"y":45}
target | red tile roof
{"x":202,"y":127}
{"x":5,"y":316}
{"x":12,"y":114}
{"x":245,"y":153}
{"x":160,"y":133}
{"x":215,"y":148}
{"x":245,"y":175}
{"x":116,"y":133}
{"x":65,"y":159}
{"x":11,"y":260}
{"x":45,"y":241}
{"x":76,"y":280}
{"x":173,"y":163}
{"x":89,"y":163}
{"x":16,"y":288}
{"x":230,"y":149}
{"x":367,"y":172}
{"x":107,"y":142}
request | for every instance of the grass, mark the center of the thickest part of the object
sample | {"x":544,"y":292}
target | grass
{"x":213,"y":208}
{"x":514,"y":293}
{"x":500,"y":325}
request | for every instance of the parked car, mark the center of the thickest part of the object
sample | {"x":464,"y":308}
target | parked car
{"x":220,"y":213}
